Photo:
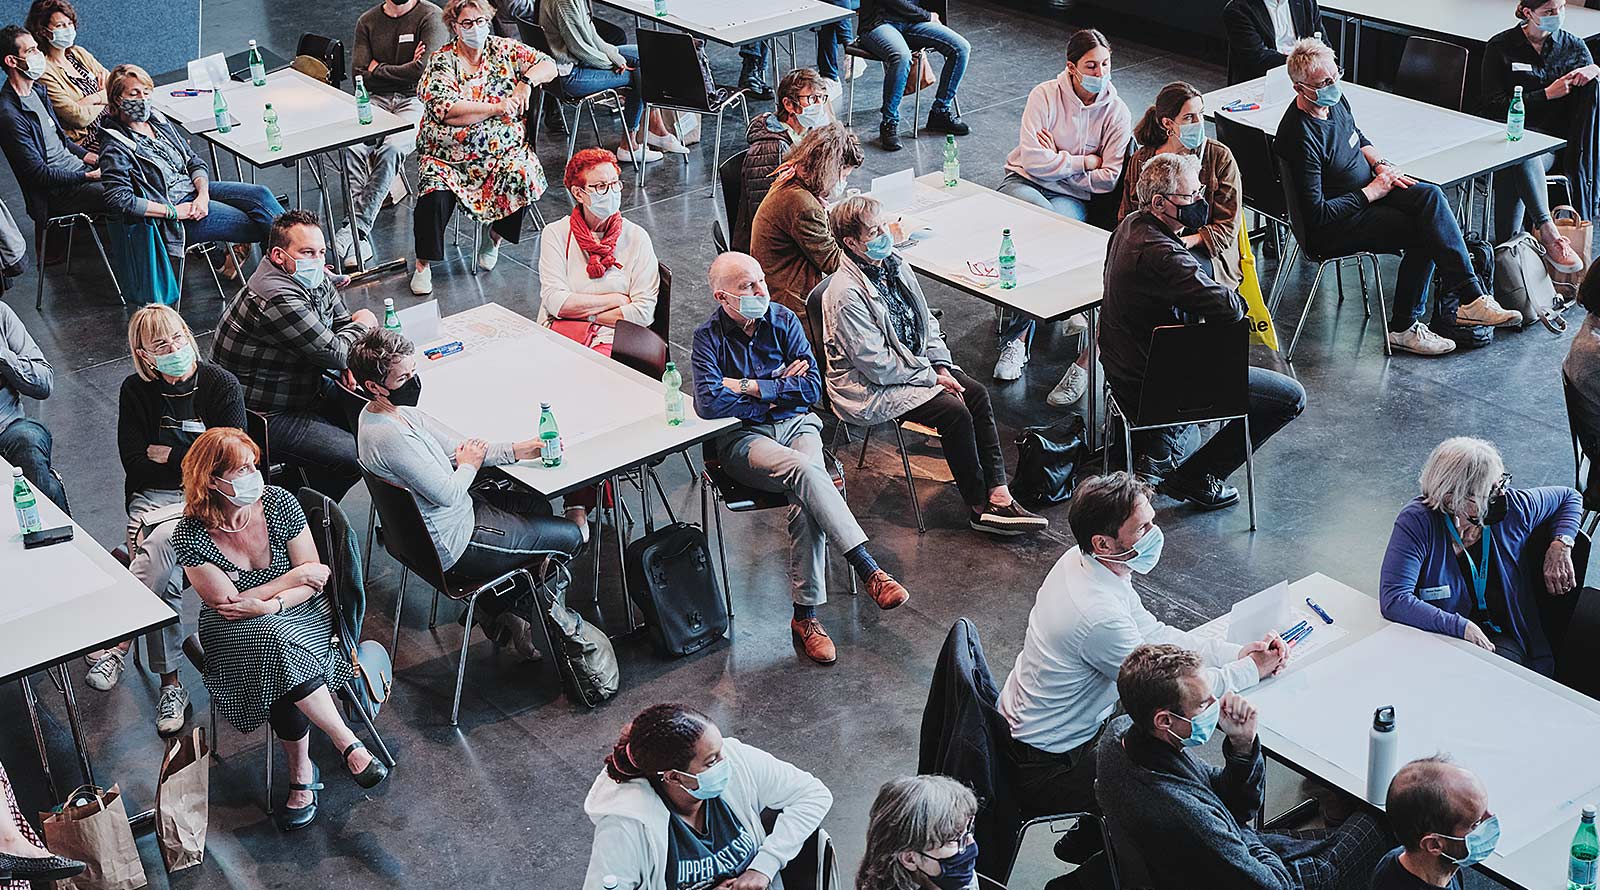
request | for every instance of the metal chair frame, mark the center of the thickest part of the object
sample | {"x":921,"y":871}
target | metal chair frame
{"x":70,"y":222}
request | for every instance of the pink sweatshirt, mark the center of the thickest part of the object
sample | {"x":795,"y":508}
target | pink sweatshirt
{"x":1102,"y":128}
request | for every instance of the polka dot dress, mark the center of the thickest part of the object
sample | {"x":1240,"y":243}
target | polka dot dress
{"x":21,"y":822}
{"x":253,"y":662}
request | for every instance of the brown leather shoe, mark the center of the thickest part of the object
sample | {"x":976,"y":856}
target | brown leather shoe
{"x":886,"y":591}
{"x":814,"y":640}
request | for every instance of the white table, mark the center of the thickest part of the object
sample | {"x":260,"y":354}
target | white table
{"x":1469,"y":21}
{"x":1541,"y":860}
{"x":738,"y":22}
{"x":60,"y":602}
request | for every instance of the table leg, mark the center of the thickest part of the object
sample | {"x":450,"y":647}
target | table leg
{"x":1355,"y":55}
{"x":622,"y":545}
{"x":1093,"y":346}
{"x":772,"y":60}
{"x":299,"y":194}
{"x":32,"y":704}
{"x":77,"y":727}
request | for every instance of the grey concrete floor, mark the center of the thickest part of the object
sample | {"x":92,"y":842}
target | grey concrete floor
{"x":497,"y":801}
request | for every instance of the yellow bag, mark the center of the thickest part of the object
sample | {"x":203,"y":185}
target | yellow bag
{"x":1255,"y":307}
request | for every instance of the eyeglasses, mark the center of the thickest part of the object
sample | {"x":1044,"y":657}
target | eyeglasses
{"x":166,"y":344}
{"x":603,"y":188}
{"x":1195,"y":196}
{"x":1501,"y":485}
{"x":465,"y":24}
{"x":805,"y":100}
{"x":962,"y":840}
{"x":1338,"y":75}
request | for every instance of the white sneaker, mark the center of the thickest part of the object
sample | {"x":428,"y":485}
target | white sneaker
{"x":1073,"y":385}
{"x":342,"y":241}
{"x":632,"y":157}
{"x":834,"y":92}
{"x":107,"y":671}
{"x":668,"y":143}
{"x":1484,"y":310}
{"x":350,"y":263}
{"x":488,"y":252}
{"x":422,"y":281}
{"x":1075,"y":323}
{"x":1012,"y":358}
{"x":89,"y":658}
{"x":1420,"y":340}
{"x":172,"y":710}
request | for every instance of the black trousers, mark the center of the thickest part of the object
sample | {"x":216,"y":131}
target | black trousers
{"x":510,"y":528}
{"x":287,"y":721}
{"x":1055,"y":783}
{"x":83,"y":197}
{"x":432,"y":218}
{"x":967,"y":432}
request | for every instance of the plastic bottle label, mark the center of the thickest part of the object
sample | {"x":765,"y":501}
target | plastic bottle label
{"x":1582,"y":872}
{"x":551,"y":451}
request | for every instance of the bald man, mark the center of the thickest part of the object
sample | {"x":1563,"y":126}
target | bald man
{"x":1440,"y":815}
{"x":752,"y":361}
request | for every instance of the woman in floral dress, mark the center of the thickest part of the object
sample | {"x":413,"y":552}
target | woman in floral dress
{"x":472,"y":146}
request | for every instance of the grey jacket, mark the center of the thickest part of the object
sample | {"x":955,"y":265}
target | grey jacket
{"x":872,"y":376}
{"x":23,"y":368}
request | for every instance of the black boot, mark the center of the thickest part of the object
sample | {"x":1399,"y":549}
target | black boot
{"x":946,"y":121}
{"x":889,"y":137}
{"x":751,"y":81}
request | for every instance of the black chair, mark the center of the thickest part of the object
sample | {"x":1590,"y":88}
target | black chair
{"x":327,"y":50}
{"x":1263,"y":190}
{"x":70,"y":222}
{"x":731,"y":173}
{"x":271,"y":473}
{"x":1297,"y":224}
{"x":719,"y":238}
{"x":815,"y":867}
{"x":1128,"y":868}
{"x":1196,"y":373}
{"x":195,"y":653}
{"x":534,"y":36}
{"x":669,"y":67}
{"x":661,"y":323}
{"x":1432,"y":71}
{"x":639,"y":348}
{"x":855,"y":49}
{"x":1583,"y":466}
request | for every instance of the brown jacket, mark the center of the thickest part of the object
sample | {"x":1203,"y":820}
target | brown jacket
{"x":77,"y":120}
{"x":791,"y":240}
{"x":1219,"y":176}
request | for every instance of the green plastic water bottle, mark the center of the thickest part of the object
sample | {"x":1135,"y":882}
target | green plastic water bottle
{"x":274,"y":135}
{"x":1008,"y":261}
{"x":1515,"y":117}
{"x":28,"y":512}
{"x":219,"y":110}
{"x":391,"y":319}
{"x":1585,"y":852}
{"x":363,"y":102}
{"x":672,"y":387}
{"x":952,"y":163}
{"x":549,"y":437}
{"x":661,"y":8}
{"x":258,"y":68}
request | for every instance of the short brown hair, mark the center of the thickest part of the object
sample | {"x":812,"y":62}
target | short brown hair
{"x":1421,"y":802}
{"x":1151,"y":680}
{"x":823,"y":152}
{"x":289,"y":219}
{"x":1168,"y":104}
{"x":40,"y":13}
{"x":219,"y":450}
{"x":452,"y":10}
{"x":117,"y":81}
{"x":848,"y":218}
{"x":1101,"y":504}
{"x":374,"y":352}
{"x":1081,"y":42}
{"x":790,"y":85}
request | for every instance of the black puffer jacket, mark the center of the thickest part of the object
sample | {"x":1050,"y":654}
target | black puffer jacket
{"x":769,"y":141}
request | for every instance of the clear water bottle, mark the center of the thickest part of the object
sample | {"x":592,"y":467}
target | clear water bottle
{"x":1515,"y":116}
{"x":1008,"y":261}
{"x":952,"y":163}
{"x":391,"y":319}
{"x":219,"y":110}
{"x":549,"y":437}
{"x":363,"y":102}
{"x":661,"y":8}
{"x":258,"y":68}
{"x":1585,"y":852}
{"x":28,"y":513}
{"x":269,"y":116}
{"x":672,"y":388}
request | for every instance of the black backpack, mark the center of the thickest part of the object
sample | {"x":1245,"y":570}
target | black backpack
{"x":671,"y":579}
{"x":1446,"y":304}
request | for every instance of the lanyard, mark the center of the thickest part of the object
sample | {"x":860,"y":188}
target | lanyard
{"x":1480,"y":572}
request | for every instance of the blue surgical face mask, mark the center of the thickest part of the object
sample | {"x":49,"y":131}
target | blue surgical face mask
{"x":1550,"y":24}
{"x":476,"y":36}
{"x":880,"y":247}
{"x":957,"y":872}
{"x":713,"y":781}
{"x":605,"y":206}
{"x":64,"y":37}
{"x":1192,"y":136}
{"x":175,"y":363}
{"x":1145,"y":554}
{"x":754,"y":306}
{"x":1480,"y":841}
{"x":1329,"y":95}
{"x":1092,"y":83}
{"x":1201,"y":725}
{"x":309,"y":272}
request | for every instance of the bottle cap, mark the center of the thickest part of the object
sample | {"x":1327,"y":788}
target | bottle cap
{"x":17,"y":471}
{"x":544,"y":406}
{"x":252,"y":43}
{"x":388,"y":302}
{"x":1005,"y":231}
{"x":1588,"y":810}
{"x":1383,"y":719}
{"x":671,"y":366}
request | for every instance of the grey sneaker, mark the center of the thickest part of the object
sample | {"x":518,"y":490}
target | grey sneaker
{"x":1012,"y":358}
{"x":172,"y":710}
{"x":1070,"y":390}
{"x":104,"y":674}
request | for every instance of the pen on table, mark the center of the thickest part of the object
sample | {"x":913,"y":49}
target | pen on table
{"x":1302,"y":634}
{"x":1293,"y":630}
{"x":1318,"y":609}
{"x":439,"y":352}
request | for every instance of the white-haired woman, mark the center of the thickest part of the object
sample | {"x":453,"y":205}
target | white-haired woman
{"x":1458,"y":564}
{"x":919,"y":835}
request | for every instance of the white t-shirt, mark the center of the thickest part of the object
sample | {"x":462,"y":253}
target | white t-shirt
{"x":1282,"y":25}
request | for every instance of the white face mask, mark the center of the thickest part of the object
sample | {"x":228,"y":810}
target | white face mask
{"x":475,"y":37}
{"x":605,"y":206}
{"x":36,"y":66}
{"x":247,"y":489}
{"x":64,"y":37}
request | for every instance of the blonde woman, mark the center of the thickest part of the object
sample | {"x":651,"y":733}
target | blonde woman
{"x":73,"y":78}
{"x":919,"y":836}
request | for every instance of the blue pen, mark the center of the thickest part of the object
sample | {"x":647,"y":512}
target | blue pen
{"x":1318,"y":609}
{"x":1293,"y":630}
{"x":1306,"y":632}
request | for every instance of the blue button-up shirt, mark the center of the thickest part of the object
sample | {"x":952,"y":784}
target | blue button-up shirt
{"x":722,"y":349}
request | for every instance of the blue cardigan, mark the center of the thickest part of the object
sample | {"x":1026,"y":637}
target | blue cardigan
{"x":1422,"y":584}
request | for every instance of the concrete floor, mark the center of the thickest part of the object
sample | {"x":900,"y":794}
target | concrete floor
{"x":497,"y":802}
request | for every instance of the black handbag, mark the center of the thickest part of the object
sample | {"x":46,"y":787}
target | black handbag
{"x":671,"y":579}
{"x":1047,"y":459}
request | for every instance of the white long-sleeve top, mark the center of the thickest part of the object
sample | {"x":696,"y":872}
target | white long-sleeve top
{"x":1101,"y":128}
{"x":564,"y":271}
{"x":1086,"y":621}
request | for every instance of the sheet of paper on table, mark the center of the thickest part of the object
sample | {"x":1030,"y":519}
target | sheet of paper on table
{"x":210,"y":72}
{"x":1257,"y":615}
{"x":896,"y":191}
{"x":962,"y":226}
{"x":482,"y":326}
{"x":421,"y":322}
{"x":44,"y":577}
{"x":1445,"y":699}
{"x":1321,"y":634}
{"x":1390,"y":123}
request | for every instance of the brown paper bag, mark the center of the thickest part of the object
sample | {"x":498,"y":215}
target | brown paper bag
{"x":1581,"y":233}
{"x":923,"y":77}
{"x":183,"y":801}
{"x":98,"y":833}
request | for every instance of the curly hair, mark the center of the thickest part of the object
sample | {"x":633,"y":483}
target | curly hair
{"x":662,"y":737}
{"x":915,"y":814}
{"x":39,"y":15}
{"x":821,"y":157}
{"x":579,"y":165}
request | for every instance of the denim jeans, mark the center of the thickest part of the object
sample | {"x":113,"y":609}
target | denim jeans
{"x":372,"y":168}
{"x":1274,"y":400}
{"x":1520,"y":190}
{"x":26,"y":444}
{"x":755,"y":55}
{"x":319,"y":441}
{"x":240,"y":213}
{"x":1018,"y":186}
{"x":831,"y":41}
{"x":583,"y":81}
{"x":893,"y":42}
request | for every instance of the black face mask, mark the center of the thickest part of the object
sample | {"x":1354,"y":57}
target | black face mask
{"x":1192,"y":215}
{"x":1496,"y":511}
{"x":407,"y":394}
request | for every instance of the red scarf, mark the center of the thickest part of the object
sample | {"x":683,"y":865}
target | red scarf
{"x":600,"y":252}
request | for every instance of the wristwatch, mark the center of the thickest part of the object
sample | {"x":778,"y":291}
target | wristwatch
{"x":744,"y":386}
{"x":1564,"y":539}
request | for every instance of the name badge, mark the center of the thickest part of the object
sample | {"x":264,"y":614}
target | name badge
{"x":1431,"y":594}
{"x":192,"y":426}
{"x":1520,"y":66}
{"x":1355,"y":138}
{"x":406,"y":38}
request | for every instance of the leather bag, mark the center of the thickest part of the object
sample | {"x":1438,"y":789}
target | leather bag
{"x":584,"y":655}
{"x":1522,"y":282}
{"x":1048,"y":458}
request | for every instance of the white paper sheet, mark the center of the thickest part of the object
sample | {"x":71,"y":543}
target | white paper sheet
{"x":421,"y":322}
{"x":896,"y":191}
{"x":1532,"y":748}
{"x":1257,"y":615}
{"x":56,"y":574}
{"x":969,"y":229}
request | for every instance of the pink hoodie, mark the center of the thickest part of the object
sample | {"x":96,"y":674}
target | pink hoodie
{"x":1103,"y":128}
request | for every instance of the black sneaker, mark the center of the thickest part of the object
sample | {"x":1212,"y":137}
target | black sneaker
{"x":1207,"y":492}
{"x":1012,"y":519}
{"x":889,"y":137}
{"x":754,"y":85}
{"x":945,"y":122}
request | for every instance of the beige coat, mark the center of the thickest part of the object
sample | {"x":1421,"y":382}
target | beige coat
{"x":1219,"y":175}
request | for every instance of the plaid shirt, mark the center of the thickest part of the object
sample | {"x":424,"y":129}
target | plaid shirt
{"x":278,"y":339}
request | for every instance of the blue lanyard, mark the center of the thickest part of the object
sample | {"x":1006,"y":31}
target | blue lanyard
{"x":1480,"y":573}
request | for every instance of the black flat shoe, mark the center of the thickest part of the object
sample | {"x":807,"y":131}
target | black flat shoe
{"x":48,"y":868}
{"x":1207,"y":492}
{"x":296,"y":819}
{"x":947,"y":122}
{"x":374,"y":773}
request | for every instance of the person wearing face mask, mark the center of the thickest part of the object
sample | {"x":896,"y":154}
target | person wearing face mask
{"x":1440,"y":815}
{"x":1069,"y":158}
{"x":1352,"y":199}
{"x":282,"y":336}
{"x":678,"y":807}
{"x":1556,"y":72}
{"x":751,"y":361}
{"x":165,"y":405}
{"x":1459,"y":563}
{"x":1086,"y":619}
{"x":802,"y":107}
{"x":1191,"y":822}
{"x":1152,"y":279}
{"x":887,"y":361}
{"x":789,"y":234}
{"x":479,"y":532}
{"x":264,"y":622}
{"x":74,"y":79}
{"x":919,"y":836}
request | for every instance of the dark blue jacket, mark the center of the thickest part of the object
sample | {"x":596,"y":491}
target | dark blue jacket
{"x":721,"y":349}
{"x":132,"y":179}
{"x":23,"y":141}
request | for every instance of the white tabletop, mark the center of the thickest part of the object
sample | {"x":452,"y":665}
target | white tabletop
{"x":1472,"y":20}
{"x":313,"y":117}
{"x":611,"y":417}
{"x":1476,"y":685}
{"x":1429,"y":143}
{"x":63,"y":600}
{"x":736,"y":22}
{"x":1060,"y":261}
